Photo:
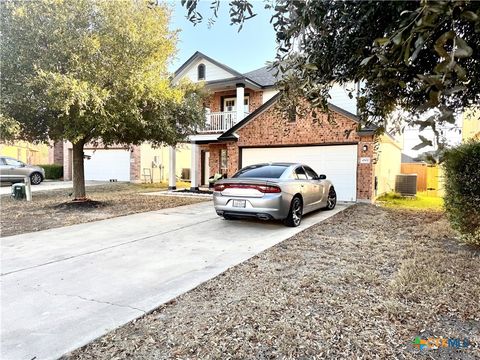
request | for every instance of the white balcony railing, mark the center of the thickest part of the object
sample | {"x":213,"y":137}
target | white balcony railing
{"x":219,"y":121}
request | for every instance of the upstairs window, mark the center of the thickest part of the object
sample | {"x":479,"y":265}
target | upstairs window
{"x":201,"y":72}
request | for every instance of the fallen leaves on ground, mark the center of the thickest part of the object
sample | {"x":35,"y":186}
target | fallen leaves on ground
{"x":362,"y":284}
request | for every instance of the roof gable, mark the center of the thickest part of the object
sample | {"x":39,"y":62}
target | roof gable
{"x":214,"y":70}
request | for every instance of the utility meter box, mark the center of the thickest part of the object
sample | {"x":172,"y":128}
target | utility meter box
{"x":18,"y":191}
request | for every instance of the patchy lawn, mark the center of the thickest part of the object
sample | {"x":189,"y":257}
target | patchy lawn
{"x":362,"y":284}
{"x":420,"y":202}
{"x":53,"y":208}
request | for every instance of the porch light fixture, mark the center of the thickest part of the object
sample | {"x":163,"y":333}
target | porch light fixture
{"x":365,"y":147}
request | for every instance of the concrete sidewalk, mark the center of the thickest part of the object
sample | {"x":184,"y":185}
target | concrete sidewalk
{"x":62,"y":288}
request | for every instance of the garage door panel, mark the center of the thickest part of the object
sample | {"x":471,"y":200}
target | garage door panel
{"x":337,"y":162}
{"x":105,"y":165}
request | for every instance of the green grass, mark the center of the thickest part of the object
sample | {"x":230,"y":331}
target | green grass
{"x":420,"y":202}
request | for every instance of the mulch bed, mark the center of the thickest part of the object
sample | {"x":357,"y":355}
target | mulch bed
{"x":55,"y":208}
{"x":362,"y":284}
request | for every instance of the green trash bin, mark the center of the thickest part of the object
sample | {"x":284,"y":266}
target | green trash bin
{"x":19,"y":192}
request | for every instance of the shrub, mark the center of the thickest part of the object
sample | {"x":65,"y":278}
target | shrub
{"x":462,"y":190}
{"x":53,"y":171}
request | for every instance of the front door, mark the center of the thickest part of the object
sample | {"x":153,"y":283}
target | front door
{"x":229,"y":104}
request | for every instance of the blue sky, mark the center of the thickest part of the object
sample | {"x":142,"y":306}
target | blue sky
{"x":244,"y":51}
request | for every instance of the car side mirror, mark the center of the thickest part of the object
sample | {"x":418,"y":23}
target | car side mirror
{"x":322,"y":177}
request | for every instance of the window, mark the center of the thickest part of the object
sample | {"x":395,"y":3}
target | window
{"x":229,"y":105}
{"x":201,"y":72}
{"x":312,"y":175}
{"x":300,"y":172}
{"x":223,"y":161}
{"x":261,"y":171}
{"x":246,"y":103}
{"x":12,"y":162}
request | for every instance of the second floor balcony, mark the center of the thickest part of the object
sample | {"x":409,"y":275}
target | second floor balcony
{"x":218,"y":122}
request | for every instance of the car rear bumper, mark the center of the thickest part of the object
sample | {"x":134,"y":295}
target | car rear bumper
{"x":269,"y":206}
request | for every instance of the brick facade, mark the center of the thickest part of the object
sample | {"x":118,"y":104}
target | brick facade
{"x":272,"y":129}
{"x":216,"y":100}
{"x":135,"y":164}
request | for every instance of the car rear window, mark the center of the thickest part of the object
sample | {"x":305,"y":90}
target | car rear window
{"x":261,"y":171}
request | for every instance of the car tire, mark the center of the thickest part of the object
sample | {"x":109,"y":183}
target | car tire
{"x":295,"y":213}
{"x":36,"y":178}
{"x":332,"y":199}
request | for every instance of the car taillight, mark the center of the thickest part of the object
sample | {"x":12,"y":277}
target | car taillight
{"x":219,"y":187}
{"x":266,"y":189}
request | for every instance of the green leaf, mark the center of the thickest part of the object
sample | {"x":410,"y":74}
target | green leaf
{"x":397,"y":39}
{"x":469,"y":15}
{"x":463,"y":50}
{"x":382,"y":41}
{"x":441,"y":41}
{"x":366,"y":60}
{"x":424,"y":142}
{"x":460,"y":71}
{"x":310,"y":66}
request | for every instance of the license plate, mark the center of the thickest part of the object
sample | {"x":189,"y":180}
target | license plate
{"x":239,"y":203}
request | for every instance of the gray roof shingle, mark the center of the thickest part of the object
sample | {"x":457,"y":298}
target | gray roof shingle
{"x":263,"y":76}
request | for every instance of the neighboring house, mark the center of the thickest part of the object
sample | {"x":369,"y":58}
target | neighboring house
{"x":243,"y":127}
{"x":35,"y":154}
{"x":471,"y":124}
{"x":142,"y":163}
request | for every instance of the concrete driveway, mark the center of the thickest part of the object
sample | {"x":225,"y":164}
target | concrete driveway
{"x":62,"y":288}
{"x":50,"y":185}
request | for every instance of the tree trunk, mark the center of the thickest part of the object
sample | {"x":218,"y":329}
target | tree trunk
{"x":78,"y":172}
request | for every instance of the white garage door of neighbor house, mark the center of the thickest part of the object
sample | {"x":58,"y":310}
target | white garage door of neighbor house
{"x":107,"y":164}
{"x":338,"y":162}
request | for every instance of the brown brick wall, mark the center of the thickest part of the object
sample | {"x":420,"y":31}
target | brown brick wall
{"x":58,"y":153}
{"x":135,"y":164}
{"x":271,"y":129}
{"x":255,"y":98}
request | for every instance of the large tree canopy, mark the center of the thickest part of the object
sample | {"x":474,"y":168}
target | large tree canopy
{"x":413,"y":55}
{"x":92,"y":71}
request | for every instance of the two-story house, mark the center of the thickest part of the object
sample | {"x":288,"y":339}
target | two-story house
{"x":243,"y":127}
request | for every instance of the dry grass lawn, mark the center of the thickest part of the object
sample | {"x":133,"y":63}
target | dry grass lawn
{"x":53,"y":208}
{"x":361,"y":285}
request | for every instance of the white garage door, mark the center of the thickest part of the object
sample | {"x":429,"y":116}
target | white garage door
{"x":338,"y":162}
{"x":107,"y":164}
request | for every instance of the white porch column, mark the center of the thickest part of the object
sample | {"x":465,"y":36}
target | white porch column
{"x":194,"y":168}
{"x":172,"y":179}
{"x":239,"y":101}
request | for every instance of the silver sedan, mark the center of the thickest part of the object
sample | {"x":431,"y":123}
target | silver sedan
{"x":280,"y":191}
{"x":13,"y":170}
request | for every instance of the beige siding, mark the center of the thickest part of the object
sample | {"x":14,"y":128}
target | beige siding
{"x":389,"y":158}
{"x":35,"y":154}
{"x":339,"y":97}
{"x":268,"y":94}
{"x":212,"y":71}
{"x":160,"y":172}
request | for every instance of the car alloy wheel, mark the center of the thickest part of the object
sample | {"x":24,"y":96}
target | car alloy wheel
{"x":297,"y":211}
{"x":332,"y":199}
{"x":36,"y":178}
{"x":295,"y":214}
